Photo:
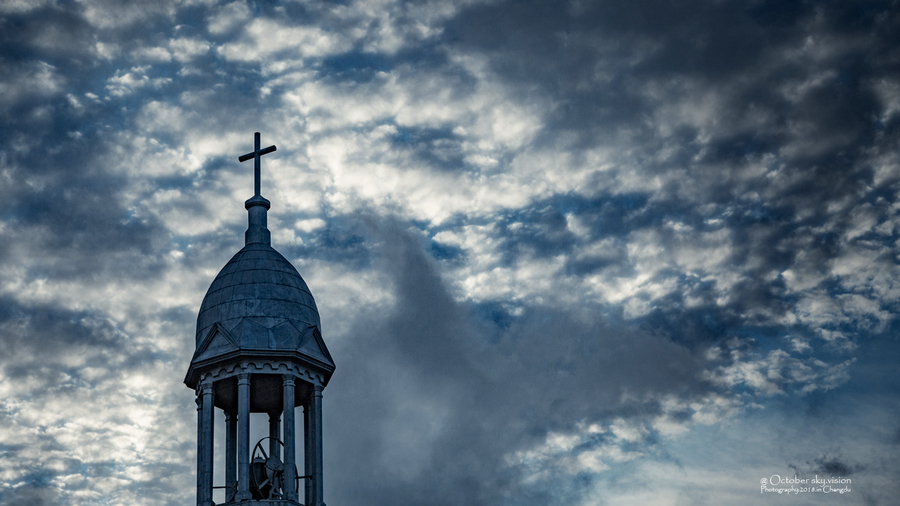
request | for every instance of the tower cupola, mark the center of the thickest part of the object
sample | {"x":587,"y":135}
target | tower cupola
{"x":259,"y":349}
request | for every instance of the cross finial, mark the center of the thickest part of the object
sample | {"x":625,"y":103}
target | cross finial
{"x":255,"y":154}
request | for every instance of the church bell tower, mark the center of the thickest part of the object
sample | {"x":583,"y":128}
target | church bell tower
{"x":259,"y":349}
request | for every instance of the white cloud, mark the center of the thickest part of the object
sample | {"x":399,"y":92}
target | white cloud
{"x":888,"y":91}
{"x":263,"y":38}
{"x":126,"y":83}
{"x":107,"y":14}
{"x":228,"y":17}
{"x":22,"y":6}
{"x":778,"y":372}
{"x":185,"y":49}
{"x":158,"y":54}
{"x":34,"y":79}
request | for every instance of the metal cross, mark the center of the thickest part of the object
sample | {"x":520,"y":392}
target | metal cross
{"x":255,"y":154}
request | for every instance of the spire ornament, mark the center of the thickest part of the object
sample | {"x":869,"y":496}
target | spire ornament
{"x":256,"y":154}
{"x":257,"y":205}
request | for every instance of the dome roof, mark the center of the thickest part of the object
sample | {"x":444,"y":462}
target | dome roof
{"x":256,"y":298}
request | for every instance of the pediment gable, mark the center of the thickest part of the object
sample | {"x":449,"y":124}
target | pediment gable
{"x":218,"y":341}
{"x":252,"y":337}
{"x":312,"y":345}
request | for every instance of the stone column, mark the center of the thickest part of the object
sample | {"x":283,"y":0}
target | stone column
{"x":307,"y":451}
{"x":273,"y":433}
{"x":230,"y":454}
{"x":206,"y":444}
{"x":199,"y":400}
{"x":316,"y":450}
{"x":243,"y":437}
{"x":290,"y":451}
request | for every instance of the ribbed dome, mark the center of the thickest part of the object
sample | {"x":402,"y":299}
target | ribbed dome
{"x":257,"y":288}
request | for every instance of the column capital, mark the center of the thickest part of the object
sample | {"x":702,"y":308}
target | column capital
{"x":244,"y":378}
{"x":288,"y":379}
{"x":317,"y":390}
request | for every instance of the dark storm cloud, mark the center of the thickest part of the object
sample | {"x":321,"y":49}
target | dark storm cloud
{"x":59,"y":36}
{"x":540,"y":231}
{"x":37,"y":494}
{"x":792,"y":87}
{"x":342,"y":239}
{"x":28,"y":331}
{"x":64,"y":208}
{"x":458,"y":398}
{"x":52,"y":345}
{"x":435,"y":148}
{"x":62,"y":198}
{"x":832,"y":467}
{"x":794,"y":80}
{"x":597,"y":57}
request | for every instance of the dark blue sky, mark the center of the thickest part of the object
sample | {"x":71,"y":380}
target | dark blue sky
{"x":564,"y":253}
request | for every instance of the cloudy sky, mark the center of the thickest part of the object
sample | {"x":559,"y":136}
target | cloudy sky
{"x":565,"y":253}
